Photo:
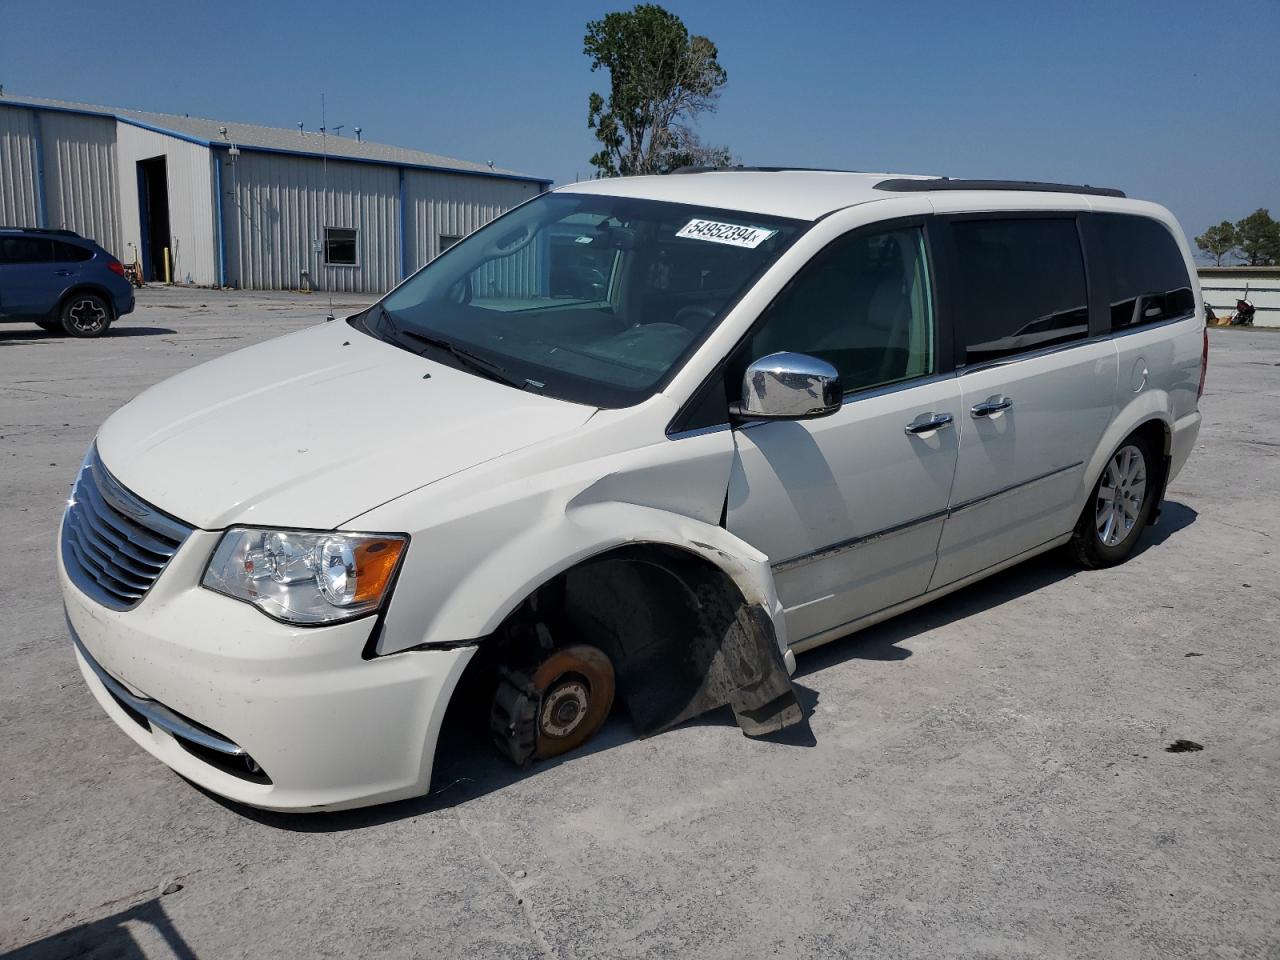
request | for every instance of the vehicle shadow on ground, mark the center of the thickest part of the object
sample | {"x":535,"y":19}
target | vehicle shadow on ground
{"x":27,"y":336}
{"x":467,"y":767}
{"x":109,"y":937}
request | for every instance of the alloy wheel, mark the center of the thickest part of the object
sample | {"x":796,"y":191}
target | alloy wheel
{"x":1120,"y":495}
{"x":88,"y":315}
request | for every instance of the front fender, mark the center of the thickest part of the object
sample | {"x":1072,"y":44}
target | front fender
{"x":495,"y":587}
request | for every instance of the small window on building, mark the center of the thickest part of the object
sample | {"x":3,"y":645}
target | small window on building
{"x":339,"y":247}
{"x":447,"y":241}
{"x":1021,"y":286}
{"x":1144,"y":270}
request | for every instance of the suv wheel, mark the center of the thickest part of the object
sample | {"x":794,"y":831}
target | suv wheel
{"x":1116,"y":514}
{"x":85,"y":315}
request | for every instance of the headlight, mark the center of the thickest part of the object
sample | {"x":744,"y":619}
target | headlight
{"x":304,"y":577}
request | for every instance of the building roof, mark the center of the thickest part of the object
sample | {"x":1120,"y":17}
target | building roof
{"x":273,"y":139}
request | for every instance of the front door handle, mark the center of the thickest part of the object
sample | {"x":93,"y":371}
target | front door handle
{"x":927,"y":423}
{"x":991,"y":405}
{"x":63,"y":273}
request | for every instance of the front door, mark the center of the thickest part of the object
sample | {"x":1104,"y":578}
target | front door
{"x":1036,"y":391}
{"x":849,"y":507}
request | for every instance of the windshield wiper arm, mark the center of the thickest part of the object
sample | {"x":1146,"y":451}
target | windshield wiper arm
{"x":472,"y":361}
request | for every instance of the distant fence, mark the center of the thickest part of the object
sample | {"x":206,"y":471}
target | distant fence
{"x":1222,"y":286}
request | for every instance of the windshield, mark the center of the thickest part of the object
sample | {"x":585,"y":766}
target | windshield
{"x":589,"y":298}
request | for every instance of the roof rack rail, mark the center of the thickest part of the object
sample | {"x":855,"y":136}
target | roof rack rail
{"x":47,"y":230}
{"x":906,"y":185}
{"x":741,"y":169}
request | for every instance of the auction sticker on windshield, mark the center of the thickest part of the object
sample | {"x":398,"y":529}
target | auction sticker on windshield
{"x":730,"y":233}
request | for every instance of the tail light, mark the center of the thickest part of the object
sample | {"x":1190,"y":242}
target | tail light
{"x":115,"y":266}
{"x":1204,"y":364}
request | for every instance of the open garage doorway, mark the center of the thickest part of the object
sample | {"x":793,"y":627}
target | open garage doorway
{"x":153,"y":215}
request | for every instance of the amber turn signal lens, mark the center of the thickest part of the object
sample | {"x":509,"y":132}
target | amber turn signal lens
{"x":375,"y":564}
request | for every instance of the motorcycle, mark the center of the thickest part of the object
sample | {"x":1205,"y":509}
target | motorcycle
{"x":1243,"y":316}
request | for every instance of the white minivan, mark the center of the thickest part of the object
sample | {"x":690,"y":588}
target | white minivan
{"x":645,"y":437}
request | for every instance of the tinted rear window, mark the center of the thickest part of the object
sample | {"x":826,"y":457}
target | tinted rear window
{"x":1143,"y":269}
{"x":25,"y":249}
{"x":70,"y":253}
{"x":1021,"y":285}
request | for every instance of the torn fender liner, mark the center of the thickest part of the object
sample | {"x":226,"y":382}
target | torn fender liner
{"x":685,"y":643}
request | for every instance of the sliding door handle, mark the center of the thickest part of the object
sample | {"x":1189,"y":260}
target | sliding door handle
{"x":991,"y":405}
{"x":927,"y":423}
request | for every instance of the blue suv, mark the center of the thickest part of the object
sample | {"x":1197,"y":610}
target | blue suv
{"x":61,"y":281}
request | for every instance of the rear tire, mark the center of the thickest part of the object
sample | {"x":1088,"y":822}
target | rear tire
{"x":1120,"y":506}
{"x":85,"y":315}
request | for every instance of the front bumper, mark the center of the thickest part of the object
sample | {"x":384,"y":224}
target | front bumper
{"x":327,"y":729}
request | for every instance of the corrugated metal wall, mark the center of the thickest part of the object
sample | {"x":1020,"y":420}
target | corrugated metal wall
{"x":81,"y":185}
{"x":447,"y":204}
{"x":275,"y":212}
{"x":191,"y":225}
{"x":19,"y":196}
{"x":274,"y":206}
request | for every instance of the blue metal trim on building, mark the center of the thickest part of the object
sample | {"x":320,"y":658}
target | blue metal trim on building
{"x":42,"y":202}
{"x":217,"y":214}
{"x":404,"y":220}
{"x":214,"y":144}
{"x":388,"y":163}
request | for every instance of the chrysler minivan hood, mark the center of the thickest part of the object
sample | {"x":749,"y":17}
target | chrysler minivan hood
{"x":315,"y":428}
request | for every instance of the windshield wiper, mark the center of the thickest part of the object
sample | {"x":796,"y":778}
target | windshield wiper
{"x":472,"y":361}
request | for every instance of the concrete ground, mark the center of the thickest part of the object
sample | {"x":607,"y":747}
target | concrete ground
{"x":986,"y":777}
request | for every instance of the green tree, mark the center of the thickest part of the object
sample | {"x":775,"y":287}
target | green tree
{"x":1219,"y":241}
{"x":660,"y":80}
{"x":1259,"y":239}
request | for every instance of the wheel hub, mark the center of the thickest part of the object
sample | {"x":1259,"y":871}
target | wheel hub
{"x":1121,"y":495}
{"x":563,"y":708}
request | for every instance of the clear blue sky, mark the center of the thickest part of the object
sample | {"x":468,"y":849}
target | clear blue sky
{"x":1175,"y":101}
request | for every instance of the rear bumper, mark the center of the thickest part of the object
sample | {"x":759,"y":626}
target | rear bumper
{"x":123,"y":301}
{"x":201,"y":681}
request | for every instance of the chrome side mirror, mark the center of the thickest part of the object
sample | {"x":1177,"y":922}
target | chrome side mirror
{"x":789,"y":386}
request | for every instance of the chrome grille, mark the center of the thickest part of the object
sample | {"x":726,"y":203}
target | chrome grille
{"x":114,"y":545}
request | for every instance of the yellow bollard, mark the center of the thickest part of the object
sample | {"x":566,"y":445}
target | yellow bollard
{"x":168,"y":278}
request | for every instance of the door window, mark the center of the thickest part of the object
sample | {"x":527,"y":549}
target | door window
{"x":1144,"y":270}
{"x":863,"y":304}
{"x":25,"y":250}
{"x":1020,"y":286}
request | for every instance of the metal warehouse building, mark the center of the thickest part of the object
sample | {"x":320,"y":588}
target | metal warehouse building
{"x":240,"y":205}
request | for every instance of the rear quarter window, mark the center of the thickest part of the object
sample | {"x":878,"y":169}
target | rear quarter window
{"x":1142,"y":266}
{"x":70,"y":253}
